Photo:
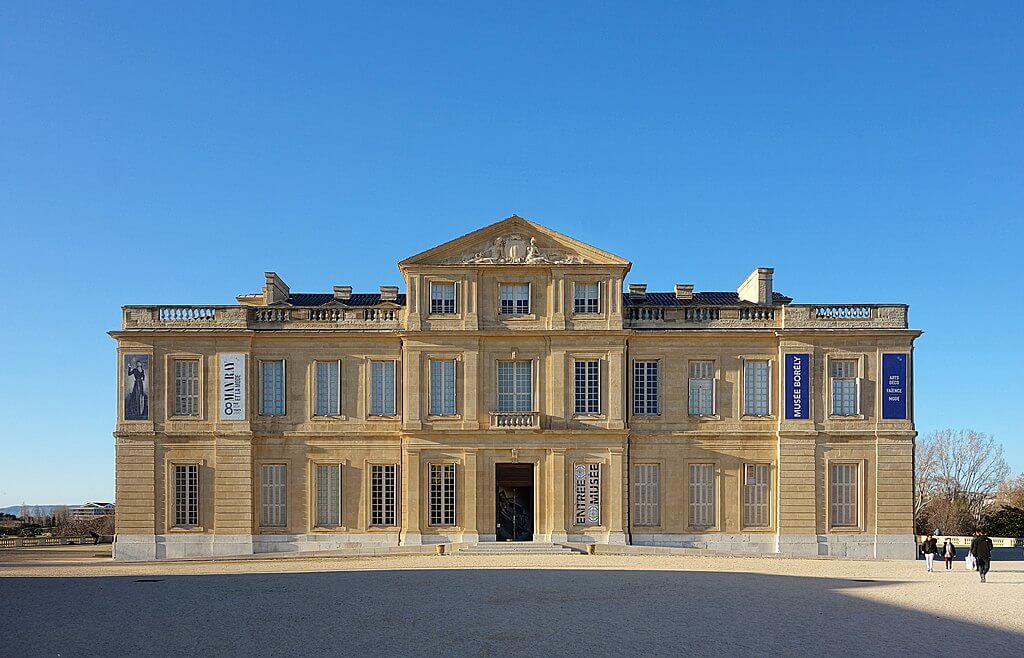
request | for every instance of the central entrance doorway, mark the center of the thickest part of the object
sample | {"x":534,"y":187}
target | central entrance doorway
{"x":514,"y":501}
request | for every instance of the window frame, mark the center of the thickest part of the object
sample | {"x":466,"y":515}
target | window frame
{"x":657,"y":388}
{"x":454,"y":389}
{"x":770,"y":514}
{"x":172,"y":483}
{"x":598,"y":310}
{"x":659,"y":495}
{"x":858,"y":498}
{"x":715,"y":494}
{"x":529,"y":299}
{"x":315,"y":397}
{"x":858,"y":366}
{"x":768,"y":387}
{"x":284,"y":386}
{"x":597,"y":392}
{"x":370,"y":388}
{"x":314,"y":478}
{"x":452,"y":489}
{"x":283,"y":527}
{"x":396,"y":493}
{"x":714,"y":386}
{"x":454,"y":300}
{"x":497,"y":386}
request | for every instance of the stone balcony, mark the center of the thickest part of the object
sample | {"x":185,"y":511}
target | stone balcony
{"x":790,"y":316}
{"x":515,"y":420}
{"x":262,"y":318}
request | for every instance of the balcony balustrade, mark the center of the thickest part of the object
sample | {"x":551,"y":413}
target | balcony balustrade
{"x":515,"y":420}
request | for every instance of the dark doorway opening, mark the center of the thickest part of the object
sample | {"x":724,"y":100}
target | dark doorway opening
{"x":514,"y":500}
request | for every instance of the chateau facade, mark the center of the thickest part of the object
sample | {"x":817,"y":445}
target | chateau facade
{"x":515,"y":391}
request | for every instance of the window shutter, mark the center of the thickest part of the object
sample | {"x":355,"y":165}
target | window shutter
{"x":714,"y":396}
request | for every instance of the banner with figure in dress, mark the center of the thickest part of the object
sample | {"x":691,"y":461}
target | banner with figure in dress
{"x":136,"y":387}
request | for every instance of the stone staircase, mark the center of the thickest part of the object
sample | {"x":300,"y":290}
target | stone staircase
{"x":518,"y":548}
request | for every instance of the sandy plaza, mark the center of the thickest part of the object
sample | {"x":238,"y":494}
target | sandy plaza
{"x":541,"y":605}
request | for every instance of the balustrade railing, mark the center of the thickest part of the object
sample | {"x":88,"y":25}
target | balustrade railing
{"x":757,"y":313}
{"x":186,"y":314}
{"x":844,"y":312}
{"x":701,"y":313}
{"x":515,"y":420}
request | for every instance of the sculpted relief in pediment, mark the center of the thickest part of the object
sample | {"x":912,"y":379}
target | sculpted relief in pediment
{"x":515,"y":249}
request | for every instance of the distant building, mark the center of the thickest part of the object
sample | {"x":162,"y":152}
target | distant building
{"x":89,"y":510}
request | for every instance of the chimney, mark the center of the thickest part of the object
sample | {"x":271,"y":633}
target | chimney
{"x":757,"y":288}
{"x":638,"y":291}
{"x":684,"y":291}
{"x":275,"y":291}
{"x":388,"y":293}
{"x":342,"y":293}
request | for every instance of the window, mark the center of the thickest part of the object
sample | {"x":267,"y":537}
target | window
{"x":588,"y":387}
{"x":186,"y":387}
{"x":702,"y":388}
{"x":757,"y":492}
{"x":186,"y":495}
{"x":755,"y":388}
{"x":272,"y":387}
{"x":382,"y":494}
{"x":382,"y":388}
{"x":586,"y":298}
{"x":844,"y":388}
{"x":515,"y":298}
{"x":702,"y":495}
{"x":442,"y":298}
{"x":645,"y":388}
{"x":442,"y":494}
{"x":328,"y":388}
{"x":328,"y":495}
{"x":274,"y":479}
{"x":843,"y":495}
{"x":515,"y":386}
{"x":442,"y":388}
{"x":647,"y":494}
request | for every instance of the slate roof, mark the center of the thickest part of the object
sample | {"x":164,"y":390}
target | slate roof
{"x":699,"y":299}
{"x":321,"y":298}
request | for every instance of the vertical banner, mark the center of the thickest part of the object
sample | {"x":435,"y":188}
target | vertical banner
{"x":587,"y":488}
{"x":136,"y":387}
{"x":894,"y":386}
{"x":232,"y":387}
{"x":798,"y":386}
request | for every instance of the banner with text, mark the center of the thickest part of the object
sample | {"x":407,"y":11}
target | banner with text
{"x":587,"y":486}
{"x":798,"y":386}
{"x":232,"y":387}
{"x":894,"y":386}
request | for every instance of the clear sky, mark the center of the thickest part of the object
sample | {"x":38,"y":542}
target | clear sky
{"x":172,"y":154}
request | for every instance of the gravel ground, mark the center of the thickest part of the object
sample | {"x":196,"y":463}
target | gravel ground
{"x":483,"y":604}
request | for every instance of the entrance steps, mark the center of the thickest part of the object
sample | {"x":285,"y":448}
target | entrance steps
{"x":518,"y":548}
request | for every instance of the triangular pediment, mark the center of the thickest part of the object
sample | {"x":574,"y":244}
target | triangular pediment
{"x":514,"y":241}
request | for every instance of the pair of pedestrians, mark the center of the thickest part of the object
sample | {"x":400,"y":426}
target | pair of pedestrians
{"x":930,"y":549}
{"x":980,"y":552}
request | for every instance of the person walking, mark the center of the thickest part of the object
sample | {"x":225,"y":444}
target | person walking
{"x":981,"y":547}
{"x":949,"y":552}
{"x":930,"y":548}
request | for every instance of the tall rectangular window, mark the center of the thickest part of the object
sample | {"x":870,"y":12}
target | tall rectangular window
{"x":382,"y":388}
{"x":442,"y":494}
{"x":702,"y":495}
{"x":702,"y":388}
{"x":514,"y":298}
{"x":382,"y":494}
{"x":647,"y":494}
{"x":844,"y":387}
{"x":586,"y":298}
{"x":756,"y":394}
{"x":272,"y":388}
{"x":442,"y":388}
{"x":757,"y":495}
{"x":588,"y":387}
{"x":328,"y":388}
{"x":442,"y":298}
{"x":843,"y":495}
{"x":186,"y":387}
{"x":274,"y":481}
{"x":186,"y":495}
{"x":645,"y":388}
{"x":515,"y":386}
{"x":328,"y":495}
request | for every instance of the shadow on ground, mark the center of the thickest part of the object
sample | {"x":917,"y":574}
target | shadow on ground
{"x":482,"y":611}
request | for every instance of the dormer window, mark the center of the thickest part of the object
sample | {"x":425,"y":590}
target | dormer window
{"x":515,"y":298}
{"x":442,"y":298}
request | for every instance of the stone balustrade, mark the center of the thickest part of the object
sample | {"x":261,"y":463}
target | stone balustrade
{"x":515,"y":420}
{"x":260,"y":318}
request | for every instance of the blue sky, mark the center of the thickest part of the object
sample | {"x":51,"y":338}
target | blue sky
{"x":172,"y":154}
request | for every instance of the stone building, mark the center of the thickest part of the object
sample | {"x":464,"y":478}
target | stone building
{"x":515,"y":391}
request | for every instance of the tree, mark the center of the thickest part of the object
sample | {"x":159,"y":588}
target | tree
{"x":958,"y":472}
{"x":1005,"y":522}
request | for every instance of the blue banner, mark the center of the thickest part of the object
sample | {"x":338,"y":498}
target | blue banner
{"x":894,"y":386}
{"x":798,"y":386}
